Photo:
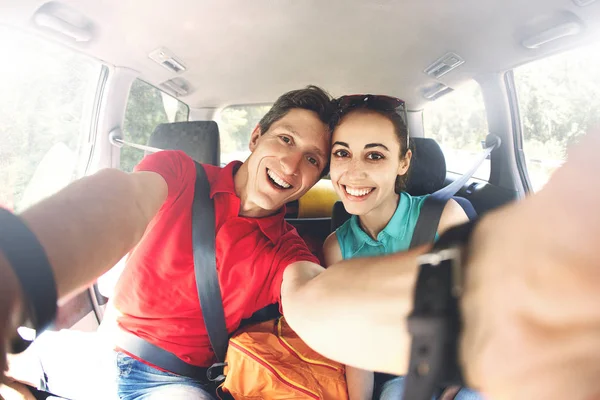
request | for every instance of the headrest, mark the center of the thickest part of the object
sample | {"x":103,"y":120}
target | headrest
{"x":198,"y":139}
{"x":428,"y":167}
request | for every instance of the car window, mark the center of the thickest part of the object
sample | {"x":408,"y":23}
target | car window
{"x":46,"y":107}
{"x":147,"y":107}
{"x":559,"y":99}
{"x":236,"y":123}
{"x":458,"y":122}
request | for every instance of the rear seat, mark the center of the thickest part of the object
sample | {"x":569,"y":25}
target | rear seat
{"x":427,"y":175}
{"x":198,"y":139}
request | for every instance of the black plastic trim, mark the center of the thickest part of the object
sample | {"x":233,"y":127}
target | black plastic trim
{"x":515,"y":114}
{"x":95,"y":118}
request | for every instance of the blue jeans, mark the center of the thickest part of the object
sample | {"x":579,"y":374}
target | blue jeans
{"x":394,"y":389}
{"x":138,"y":381}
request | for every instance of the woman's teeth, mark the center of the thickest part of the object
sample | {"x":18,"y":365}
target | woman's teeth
{"x":278,"y":180}
{"x":358,"y":192}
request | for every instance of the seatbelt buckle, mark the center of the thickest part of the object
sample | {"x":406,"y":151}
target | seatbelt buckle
{"x":216,"y":372}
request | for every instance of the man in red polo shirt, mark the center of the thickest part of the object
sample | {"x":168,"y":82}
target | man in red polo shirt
{"x":156,"y":297}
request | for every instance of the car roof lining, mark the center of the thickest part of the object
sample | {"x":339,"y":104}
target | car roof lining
{"x":251,"y":52}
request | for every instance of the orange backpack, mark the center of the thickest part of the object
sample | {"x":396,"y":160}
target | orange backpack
{"x":269,"y":361}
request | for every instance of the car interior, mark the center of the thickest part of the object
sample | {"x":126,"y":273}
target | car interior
{"x":87,"y":85}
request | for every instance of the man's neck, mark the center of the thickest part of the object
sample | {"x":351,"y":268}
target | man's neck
{"x":247,"y":207}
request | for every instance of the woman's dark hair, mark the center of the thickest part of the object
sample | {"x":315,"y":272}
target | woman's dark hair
{"x":311,"y":98}
{"x":400,"y":129}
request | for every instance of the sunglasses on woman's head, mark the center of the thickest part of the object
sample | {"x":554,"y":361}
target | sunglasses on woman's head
{"x":375,"y":102}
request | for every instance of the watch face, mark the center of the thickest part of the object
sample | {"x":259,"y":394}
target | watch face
{"x":434,"y":323}
{"x":446,"y":258}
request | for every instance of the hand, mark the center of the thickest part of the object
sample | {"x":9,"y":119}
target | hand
{"x":531,"y":307}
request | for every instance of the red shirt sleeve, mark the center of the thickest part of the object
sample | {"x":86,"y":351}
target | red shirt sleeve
{"x":172,"y":165}
{"x":292,"y":249}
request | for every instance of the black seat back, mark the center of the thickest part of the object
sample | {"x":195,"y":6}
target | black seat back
{"x":427,"y":175}
{"x":198,"y":139}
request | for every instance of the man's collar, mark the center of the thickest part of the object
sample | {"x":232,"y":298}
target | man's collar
{"x":224,"y":182}
{"x":273,"y":226}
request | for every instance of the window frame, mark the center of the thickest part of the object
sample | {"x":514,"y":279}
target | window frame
{"x":138,"y":78}
{"x":517,"y":128}
{"x":217,"y":118}
{"x":491,"y":158}
{"x":93,"y":103}
{"x":133,"y":81}
{"x":95,"y":116}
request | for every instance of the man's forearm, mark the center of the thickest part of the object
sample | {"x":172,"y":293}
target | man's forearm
{"x":358,"y":304}
{"x":88,"y":226}
{"x":84,"y":229}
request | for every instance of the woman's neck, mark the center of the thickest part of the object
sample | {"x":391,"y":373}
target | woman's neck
{"x":375,"y":220}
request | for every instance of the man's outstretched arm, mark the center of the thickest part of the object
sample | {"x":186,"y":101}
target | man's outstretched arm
{"x":91,"y":224}
{"x":531,"y":320}
{"x":354,"y":311}
{"x":85,"y":229}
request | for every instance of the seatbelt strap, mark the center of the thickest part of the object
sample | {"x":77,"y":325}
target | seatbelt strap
{"x":209,"y":295}
{"x":425,"y":230}
{"x":205,"y":265}
{"x":163,"y":359}
{"x":433,"y":206}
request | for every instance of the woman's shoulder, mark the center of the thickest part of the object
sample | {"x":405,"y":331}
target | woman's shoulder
{"x":332,"y":249}
{"x":414,"y":199}
{"x":410,"y":204}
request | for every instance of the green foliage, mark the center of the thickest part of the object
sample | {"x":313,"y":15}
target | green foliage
{"x":559,"y":99}
{"x":145,"y":111}
{"x":458,"y":120}
{"x":46,"y":99}
{"x":236,"y":124}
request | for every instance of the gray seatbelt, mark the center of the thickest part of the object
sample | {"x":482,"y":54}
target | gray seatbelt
{"x":209,"y":295}
{"x":425,"y":230}
{"x":156,"y":356}
{"x":205,"y":266}
{"x":433,"y":206}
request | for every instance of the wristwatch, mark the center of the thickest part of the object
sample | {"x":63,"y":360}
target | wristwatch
{"x":434,"y":323}
{"x":31,"y":266}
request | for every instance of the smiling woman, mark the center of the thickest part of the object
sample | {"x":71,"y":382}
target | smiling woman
{"x":369,"y":164}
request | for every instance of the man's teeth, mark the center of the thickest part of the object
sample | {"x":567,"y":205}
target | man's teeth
{"x":358,"y":192}
{"x":278,"y":180}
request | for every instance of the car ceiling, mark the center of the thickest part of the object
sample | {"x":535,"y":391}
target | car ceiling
{"x":239,"y":52}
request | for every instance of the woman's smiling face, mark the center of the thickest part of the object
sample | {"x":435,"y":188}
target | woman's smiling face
{"x":365,"y":161}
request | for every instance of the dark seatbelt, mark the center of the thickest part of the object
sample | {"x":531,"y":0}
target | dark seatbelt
{"x":209,"y":295}
{"x":433,"y":206}
{"x":158,"y":357}
{"x":205,"y":265}
{"x":425,"y":230}
{"x":429,"y":219}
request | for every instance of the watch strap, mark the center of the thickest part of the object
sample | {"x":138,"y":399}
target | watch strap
{"x":435,"y":323}
{"x":32,"y":268}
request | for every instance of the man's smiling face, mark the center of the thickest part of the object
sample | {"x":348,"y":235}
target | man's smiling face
{"x":286,"y":161}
